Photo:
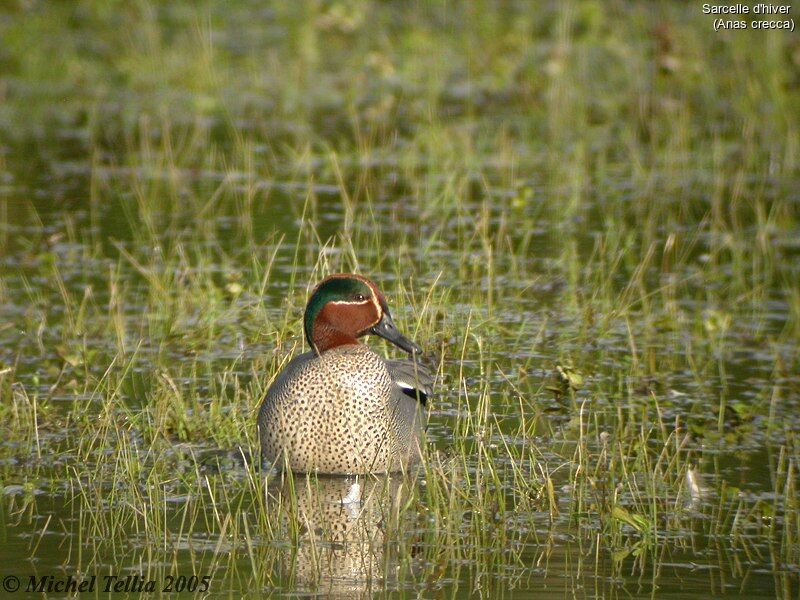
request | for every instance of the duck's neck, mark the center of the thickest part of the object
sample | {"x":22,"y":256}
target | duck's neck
{"x":326,"y":337}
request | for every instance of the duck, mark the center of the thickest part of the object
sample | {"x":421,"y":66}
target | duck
{"x":341,"y":408}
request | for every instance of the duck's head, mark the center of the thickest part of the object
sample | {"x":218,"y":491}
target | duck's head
{"x":345,"y":307}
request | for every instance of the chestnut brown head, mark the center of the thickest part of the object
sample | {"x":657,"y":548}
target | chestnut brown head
{"x":345,"y":307}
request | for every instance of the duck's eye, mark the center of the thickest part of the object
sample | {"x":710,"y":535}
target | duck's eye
{"x":359,"y":297}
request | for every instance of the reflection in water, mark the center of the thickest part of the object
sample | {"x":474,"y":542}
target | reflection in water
{"x":339,"y":525}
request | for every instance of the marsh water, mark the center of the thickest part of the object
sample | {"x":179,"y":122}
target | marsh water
{"x":605,"y":278}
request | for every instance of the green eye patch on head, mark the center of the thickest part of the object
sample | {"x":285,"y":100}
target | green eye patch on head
{"x":333,"y":289}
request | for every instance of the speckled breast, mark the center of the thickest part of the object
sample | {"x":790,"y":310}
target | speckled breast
{"x":339,"y":413}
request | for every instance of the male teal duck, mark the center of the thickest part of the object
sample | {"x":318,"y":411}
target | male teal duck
{"x":341,"y":408}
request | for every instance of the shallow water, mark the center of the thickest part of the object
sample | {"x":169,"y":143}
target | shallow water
{"x":670,"y":291}
{"x":43,"y":526}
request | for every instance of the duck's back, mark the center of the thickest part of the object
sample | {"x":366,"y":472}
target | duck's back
{"x":340,"y":412}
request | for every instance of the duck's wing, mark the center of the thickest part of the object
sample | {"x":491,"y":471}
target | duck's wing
{"x":412,"y":378}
